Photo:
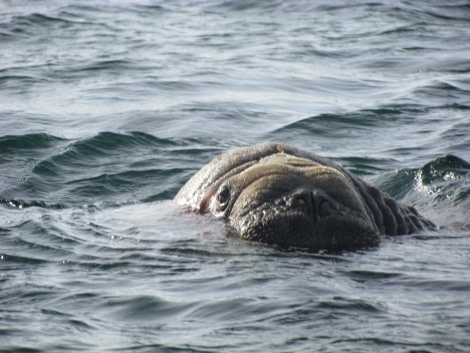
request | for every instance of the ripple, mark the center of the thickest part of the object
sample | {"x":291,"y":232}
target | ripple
{"x":147,"y":308}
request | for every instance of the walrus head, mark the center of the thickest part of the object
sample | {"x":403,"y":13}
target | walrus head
{"x":282,"y":198}
{"x":293,"y":201}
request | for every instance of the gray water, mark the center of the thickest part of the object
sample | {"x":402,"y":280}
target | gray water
{"x":108,"y":107}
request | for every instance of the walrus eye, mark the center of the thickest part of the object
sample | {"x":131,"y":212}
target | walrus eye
{"x":222,"y":197}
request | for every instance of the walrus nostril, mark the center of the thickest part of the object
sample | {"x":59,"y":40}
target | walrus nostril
{"x":304,"y":201}
{"x":323,"y":208}
{"x":300,"y":201}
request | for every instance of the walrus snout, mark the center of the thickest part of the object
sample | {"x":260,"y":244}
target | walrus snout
{"x":306,"y":217}
{"x":296,"y":223}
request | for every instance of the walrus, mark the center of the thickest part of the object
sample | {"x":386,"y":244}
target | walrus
{"x":279,"y":194}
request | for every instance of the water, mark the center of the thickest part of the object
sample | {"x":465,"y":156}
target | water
{"x":108,"y":107}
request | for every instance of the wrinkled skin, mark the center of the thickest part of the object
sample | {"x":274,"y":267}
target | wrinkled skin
{"x":278,"y":194}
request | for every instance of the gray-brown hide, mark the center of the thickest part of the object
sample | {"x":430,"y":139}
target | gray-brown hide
{"x":279,"y":194}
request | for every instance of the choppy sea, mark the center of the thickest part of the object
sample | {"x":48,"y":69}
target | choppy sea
{"x":107,"y":107}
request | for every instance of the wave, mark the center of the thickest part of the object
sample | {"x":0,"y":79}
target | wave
{"x":443,"y":181}
{"x":447,"y":179}
{"x":109,"y":168}
{"x":13,"y":144}
{"x":25,"y":25}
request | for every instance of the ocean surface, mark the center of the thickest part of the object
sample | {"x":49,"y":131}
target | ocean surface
{"x":108,"y":107}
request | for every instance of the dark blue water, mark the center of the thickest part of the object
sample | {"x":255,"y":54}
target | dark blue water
{"x":108,"y":107}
